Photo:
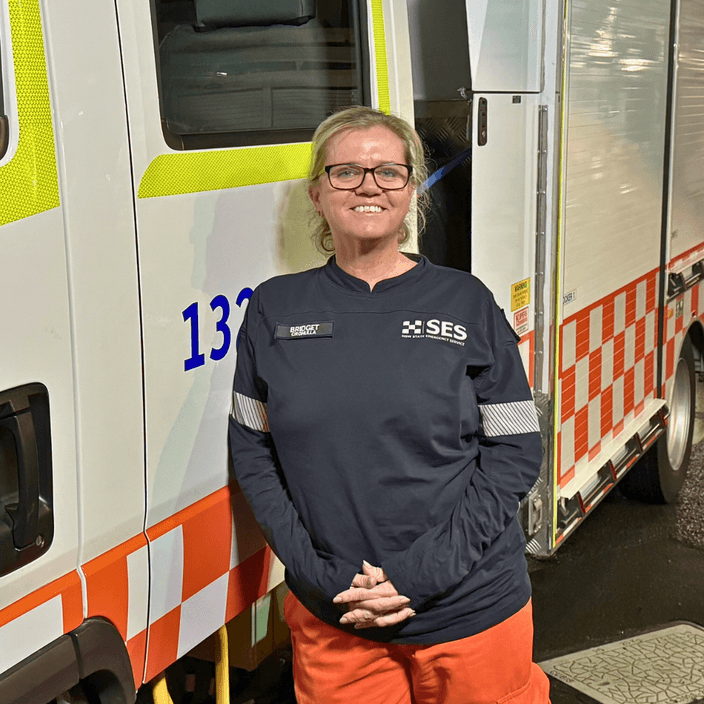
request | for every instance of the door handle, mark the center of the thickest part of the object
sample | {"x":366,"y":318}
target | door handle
{"x":482,"y":128}
{"x":24,"y":513}
{"x":26,"y":492}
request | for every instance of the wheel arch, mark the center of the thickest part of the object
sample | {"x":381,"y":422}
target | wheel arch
{"x":94,"y":654}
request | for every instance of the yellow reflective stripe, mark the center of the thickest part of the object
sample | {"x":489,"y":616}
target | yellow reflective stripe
{"x":382,"y":69}
{"x":192,"y":172}
{"x":29,"y":181}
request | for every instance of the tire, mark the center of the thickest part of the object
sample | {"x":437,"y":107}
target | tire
{"x":659,"y":475}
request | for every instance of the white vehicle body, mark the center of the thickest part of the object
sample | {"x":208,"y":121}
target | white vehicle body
{"x":129,"y":250}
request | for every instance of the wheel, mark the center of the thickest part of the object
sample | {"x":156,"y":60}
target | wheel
{"x":659,"y":475}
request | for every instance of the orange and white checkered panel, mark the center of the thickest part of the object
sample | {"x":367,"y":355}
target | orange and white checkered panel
{"x":39,"y":618}
{"x":117,"y":588}
{"x":678,"y":317}
{"x":205,"y":570}
{"x":607,"y":371}
{"x":209,"y":563}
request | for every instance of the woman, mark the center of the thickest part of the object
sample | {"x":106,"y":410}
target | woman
{"x":383,"y":433}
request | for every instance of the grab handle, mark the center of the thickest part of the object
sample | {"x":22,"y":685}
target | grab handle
{"x":26,"y":490}
{"x":24,"y":513}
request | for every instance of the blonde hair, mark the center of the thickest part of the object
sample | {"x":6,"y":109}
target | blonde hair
{"x":363,"y":118}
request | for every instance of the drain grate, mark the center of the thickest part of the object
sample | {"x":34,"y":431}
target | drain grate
{"x":660,"y":667}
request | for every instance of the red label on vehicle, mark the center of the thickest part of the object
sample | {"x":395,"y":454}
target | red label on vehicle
{"x":520,"y":321}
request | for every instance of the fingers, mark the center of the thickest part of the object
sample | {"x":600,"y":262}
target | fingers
{"x":378,"y":607}
{"x":372,"y":584}
{"x":364,"y":581}
{"x":388,"y":619}
{"x":367,"y":619}
{"x":383,"y":590}
{"x":375,"y":572}
{"x":355,"y":594}
{"x":370,"y":577}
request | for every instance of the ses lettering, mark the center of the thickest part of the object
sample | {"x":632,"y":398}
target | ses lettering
{"x":446,"y":329}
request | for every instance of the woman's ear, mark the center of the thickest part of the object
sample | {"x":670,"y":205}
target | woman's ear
{"x":314,"y":195}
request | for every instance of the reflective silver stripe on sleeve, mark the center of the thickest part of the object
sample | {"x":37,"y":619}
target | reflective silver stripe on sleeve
{"x":513,"y":418}
{"x":250,"y":412}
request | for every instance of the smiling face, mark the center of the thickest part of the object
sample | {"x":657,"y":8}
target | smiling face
{"x":368,"y":212}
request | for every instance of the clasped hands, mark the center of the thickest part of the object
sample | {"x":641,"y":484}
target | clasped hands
{"x":372,"y":600}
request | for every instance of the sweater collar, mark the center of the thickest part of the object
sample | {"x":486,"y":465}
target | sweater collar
{"x":350,"y":283}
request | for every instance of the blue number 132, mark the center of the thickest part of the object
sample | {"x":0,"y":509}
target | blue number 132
{"x":190,"y":314}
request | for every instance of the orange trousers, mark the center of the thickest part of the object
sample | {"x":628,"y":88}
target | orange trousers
{"x":495,"y":666}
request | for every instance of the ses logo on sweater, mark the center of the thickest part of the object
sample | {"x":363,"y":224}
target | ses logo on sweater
{"x":435,"y":329}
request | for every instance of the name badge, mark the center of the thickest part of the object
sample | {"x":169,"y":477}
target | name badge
{"x":298,"y":332}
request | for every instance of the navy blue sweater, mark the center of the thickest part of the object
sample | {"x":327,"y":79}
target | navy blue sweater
{"x":394,"y":426}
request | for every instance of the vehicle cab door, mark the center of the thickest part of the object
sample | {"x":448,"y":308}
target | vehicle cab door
{"x":40,"y":592}
{"x":222,"y":102}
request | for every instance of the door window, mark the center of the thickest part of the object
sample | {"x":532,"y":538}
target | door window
{"x":245,"y":72}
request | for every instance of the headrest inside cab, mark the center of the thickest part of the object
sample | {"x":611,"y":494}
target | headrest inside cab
{"x":251,"y":13}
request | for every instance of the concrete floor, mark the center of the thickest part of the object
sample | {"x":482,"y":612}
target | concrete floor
{"x":631,"y":567}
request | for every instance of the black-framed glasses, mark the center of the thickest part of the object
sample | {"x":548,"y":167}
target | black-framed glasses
{"x":348,"y":177}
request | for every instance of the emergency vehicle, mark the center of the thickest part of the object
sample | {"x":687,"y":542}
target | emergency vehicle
{"x":151,"y":162}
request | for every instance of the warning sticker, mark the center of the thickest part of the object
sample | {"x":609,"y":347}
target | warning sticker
{"x":520,"y":321}
{"x":520,"y":294}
